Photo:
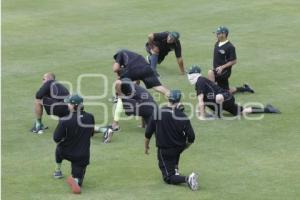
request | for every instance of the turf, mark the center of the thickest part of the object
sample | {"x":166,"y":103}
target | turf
{"x":236,"y":159}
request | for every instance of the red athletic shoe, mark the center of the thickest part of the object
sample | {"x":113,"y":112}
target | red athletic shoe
{"x":73,"y":185}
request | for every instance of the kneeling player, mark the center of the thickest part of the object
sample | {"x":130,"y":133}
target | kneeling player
{"x":173,"y":134}
{"x":218,"y":99}
{"x":73,"y":136}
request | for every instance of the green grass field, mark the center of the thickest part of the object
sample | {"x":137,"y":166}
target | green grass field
{"x":237,"y":159}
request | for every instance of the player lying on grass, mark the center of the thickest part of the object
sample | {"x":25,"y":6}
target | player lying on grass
{"x":134,"y":66}
{"x":223,"y":60}
{"x":50,"y":96}
{"x":135,"y":101}
{"x":160,"y":44}
{"x":173,"y":134}
{"x":218,"y":99}
{"x":73,"y":136}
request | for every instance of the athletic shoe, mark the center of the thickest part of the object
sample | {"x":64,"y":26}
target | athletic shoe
{"x":248,"y":88}
{"x":58,"y":174}
{"x":39,"y":129}
{"x":177,"y":172}
{"x":73,"y":185}
{"x":113,"y":99}
{"x":192,"y":181}
{"x":107,"y":135}
{"x":270,"y":109}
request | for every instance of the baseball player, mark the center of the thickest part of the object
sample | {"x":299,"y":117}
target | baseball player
{"x":224,"y":58}
{"x":160,"y":44}
{"x":72,"y":136}
{"x":134,"y":100}
{"x":218,"y":99}
{"x":173,"y":134}
{"x":134,"y":66}
{"x":50,"y":96}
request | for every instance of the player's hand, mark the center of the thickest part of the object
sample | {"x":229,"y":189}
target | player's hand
{"x":219,"y":70}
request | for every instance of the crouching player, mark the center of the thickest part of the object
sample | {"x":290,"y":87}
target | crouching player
{"x":174,"y":134}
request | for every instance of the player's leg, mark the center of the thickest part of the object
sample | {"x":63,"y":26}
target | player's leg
{"x":211,"y":75}
{"x":154,"y":57}
{"x":117,"y":85}
{"x":38,"y":110}
{"x":76,"y":179}
{"x":58,"y":160}
{"x":241,"y":89}
{"x":167,"y":163}
{"x":163,"y":90}
{"x":151,"y":81}
{"x":266,"y":109}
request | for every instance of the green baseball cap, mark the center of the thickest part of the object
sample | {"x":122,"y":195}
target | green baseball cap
{"x":174,"y":35}
{"x":175,"y":96}
{"x":194,"y":69}
{"x":222,"y":29}
{"x":74,"y":99}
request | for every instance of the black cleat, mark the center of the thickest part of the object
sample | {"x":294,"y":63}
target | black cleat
{"x":248,"y":88}
{"x":270,"y":109}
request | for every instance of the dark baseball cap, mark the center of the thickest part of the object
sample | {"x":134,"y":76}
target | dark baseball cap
{"x":175,"y":35}
{"x":175,"y":96}
{"x":222,"y":29}
{"x":74,"y":99}
{"x":194,"y":69}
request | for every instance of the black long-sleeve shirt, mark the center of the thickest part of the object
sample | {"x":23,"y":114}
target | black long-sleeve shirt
{"x":140,"y":104}
{"x":73,"y":135}
{"x":52,"y":89}
{"x":172,"y":129}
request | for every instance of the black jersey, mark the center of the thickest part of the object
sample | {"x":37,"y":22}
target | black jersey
{"x":73,"y":135}
{"x":223,"y":54}
{"x":52,"y":89}
{"x":172,"y":129}
{"x":139,"y":104}
{"x":209,"y":89}
{"x":160,"y":40}
{"x":131,"y":60}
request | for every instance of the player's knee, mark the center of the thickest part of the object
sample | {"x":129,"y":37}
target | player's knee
{"x":219,"y":98}
{"x":38,"y":102}
{"x":211,"y":74}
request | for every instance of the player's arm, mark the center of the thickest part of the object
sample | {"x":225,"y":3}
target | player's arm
{"x":60,"y":132}
{"x":150,"y":129}
{"x":150,"y":38}
{"x":180,"y":64}
{"x":201,"y":107}
{"x":116,"y":68}
{"x":189,"y":131}
{"x":178,"y":54}
{"x":43,"y":91}
{"x":228,"y":64}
